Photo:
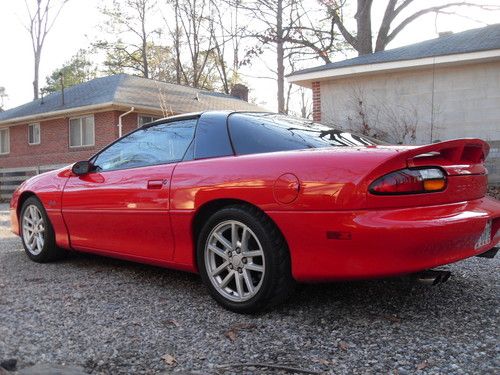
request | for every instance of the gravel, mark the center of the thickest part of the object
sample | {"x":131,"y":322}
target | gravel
{"x":115,"y":317}
{"x":494,"y":191}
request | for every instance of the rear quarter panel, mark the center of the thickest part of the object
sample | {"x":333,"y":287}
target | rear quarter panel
{"x":328,"y":181}
{"x":328,"y":178}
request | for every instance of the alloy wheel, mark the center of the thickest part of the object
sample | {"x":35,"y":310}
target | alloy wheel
{"x":234,"y":261}
{"x":33,"y":225}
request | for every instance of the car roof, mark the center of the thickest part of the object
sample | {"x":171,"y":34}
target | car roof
{"x":187,"y":116}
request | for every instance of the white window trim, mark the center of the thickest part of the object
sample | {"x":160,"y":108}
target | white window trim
{"x":36,"y":124}
{"x":69,"y":130}
{"x":8,"y":142}
{"x":139,"y":115}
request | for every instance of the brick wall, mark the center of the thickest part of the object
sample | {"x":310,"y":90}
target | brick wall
{"x":316,"y":97}
{"x":54,"y":146}
{"x":129,"y":123}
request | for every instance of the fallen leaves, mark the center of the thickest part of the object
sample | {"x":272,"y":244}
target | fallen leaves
{"x":422,"y":365}
{"x":172,"y":322}
{"x":343,"y":346}
{"x":232,"y":332}
{"x":392,"y":318}
{"x":324,"y":362}
{"x":169,"y":359}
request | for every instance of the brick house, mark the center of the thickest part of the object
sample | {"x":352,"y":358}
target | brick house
{"x":444,"y":88}
{"x":68,"y":126}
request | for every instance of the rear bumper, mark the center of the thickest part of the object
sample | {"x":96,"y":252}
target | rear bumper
{"x":378,"y":243}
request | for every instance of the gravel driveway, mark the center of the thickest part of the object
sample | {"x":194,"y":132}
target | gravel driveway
{"x":113,"y":317}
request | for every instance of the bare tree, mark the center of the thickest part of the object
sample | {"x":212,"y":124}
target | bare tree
{"x":313,"y":35}
{"x":291,"y":32}
{"x":198,"y":49}
{"x":132,"y":19}
{"x":379,"y":118}
{"x":226,"y":32}
{"x":42,"y":15}
{"x":165,"y":106}
{"x":272,"y":15}
{"x":176,"y":36}
{"x":393,"y":22}
{"x":3,"y":95}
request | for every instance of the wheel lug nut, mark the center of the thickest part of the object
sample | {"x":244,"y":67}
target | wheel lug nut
{"x":240,"y":270}
{"x":244,"y":260}
{"x":230,"y":266}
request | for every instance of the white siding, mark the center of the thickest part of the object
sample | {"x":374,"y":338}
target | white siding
{"x":466,"y":100}
{"x":460,"y":101}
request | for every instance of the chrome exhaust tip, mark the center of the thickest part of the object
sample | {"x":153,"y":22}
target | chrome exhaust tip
{"x":433,"y":276}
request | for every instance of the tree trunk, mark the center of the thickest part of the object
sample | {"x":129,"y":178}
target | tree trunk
{"x":280,"y":56}
{"x":36,"y":78}
{"x":303,"y":107}
{"x":145,"y":58}
{"x":364,"y":27}
{"x":177,"y":45}
{"x":144,"y":46}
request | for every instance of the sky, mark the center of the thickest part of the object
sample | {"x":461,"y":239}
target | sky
{"x":77,"y":27}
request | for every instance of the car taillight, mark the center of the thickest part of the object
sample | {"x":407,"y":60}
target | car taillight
{"x":410,"y":181}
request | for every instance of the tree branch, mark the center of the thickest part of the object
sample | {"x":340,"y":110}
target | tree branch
{"x":422,"y":12}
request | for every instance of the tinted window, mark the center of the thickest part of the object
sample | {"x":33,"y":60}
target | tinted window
{"x":158,"y":144}
{"x":212,"y":138}
{"x":253,"y":133}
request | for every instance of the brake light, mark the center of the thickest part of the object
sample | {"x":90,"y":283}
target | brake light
{"x":410,"y":181}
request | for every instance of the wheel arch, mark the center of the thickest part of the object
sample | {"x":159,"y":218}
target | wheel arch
{"x":209,"y":208}
{"x":23,"y":198}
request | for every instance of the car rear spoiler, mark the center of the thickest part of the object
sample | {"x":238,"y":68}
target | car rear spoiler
{"x":457,"y":157}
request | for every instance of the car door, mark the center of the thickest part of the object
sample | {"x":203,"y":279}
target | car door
{"x":122,"y":206}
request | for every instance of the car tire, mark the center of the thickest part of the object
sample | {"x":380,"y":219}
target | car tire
{"x":37,"y":233}
{"x":257,"y":256}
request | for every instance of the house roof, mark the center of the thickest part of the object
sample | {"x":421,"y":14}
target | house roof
{"x":127,"y":91}
{"x":482,"y":39}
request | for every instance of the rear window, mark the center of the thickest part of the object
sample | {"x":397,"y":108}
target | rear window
{"x":253,"y":133}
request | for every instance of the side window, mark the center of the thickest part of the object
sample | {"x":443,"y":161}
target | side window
{"x":4,"y":141}
{"x":145,"y":119}
{"x":159,"y":144}
{"x":34,"y":134}
{"x":251,"y":135}
{"x":81,"y":131}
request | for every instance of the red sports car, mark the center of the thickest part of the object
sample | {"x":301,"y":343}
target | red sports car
{"x":257,"y":201}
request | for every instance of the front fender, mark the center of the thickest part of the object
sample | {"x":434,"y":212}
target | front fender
{"x":48,"y":188}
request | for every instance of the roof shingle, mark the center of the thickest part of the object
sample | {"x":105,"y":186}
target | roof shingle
{"x":133,"y":91}
{"x":482,"y":39}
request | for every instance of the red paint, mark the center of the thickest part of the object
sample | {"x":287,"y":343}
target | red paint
{"x":122,"y":212}
{"x":286,"y":188}
{"x":127,"y":214}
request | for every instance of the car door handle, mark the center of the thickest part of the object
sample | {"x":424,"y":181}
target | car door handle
{"x":156,"y":184}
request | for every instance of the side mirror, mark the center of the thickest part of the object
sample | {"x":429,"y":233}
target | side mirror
{"x":81,"y":167}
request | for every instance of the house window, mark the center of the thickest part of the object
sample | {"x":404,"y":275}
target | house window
{"x":145,"y":119}
{"x":4,"y":141}
{"x":34,"y":134}
{"x":81,"y":131}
